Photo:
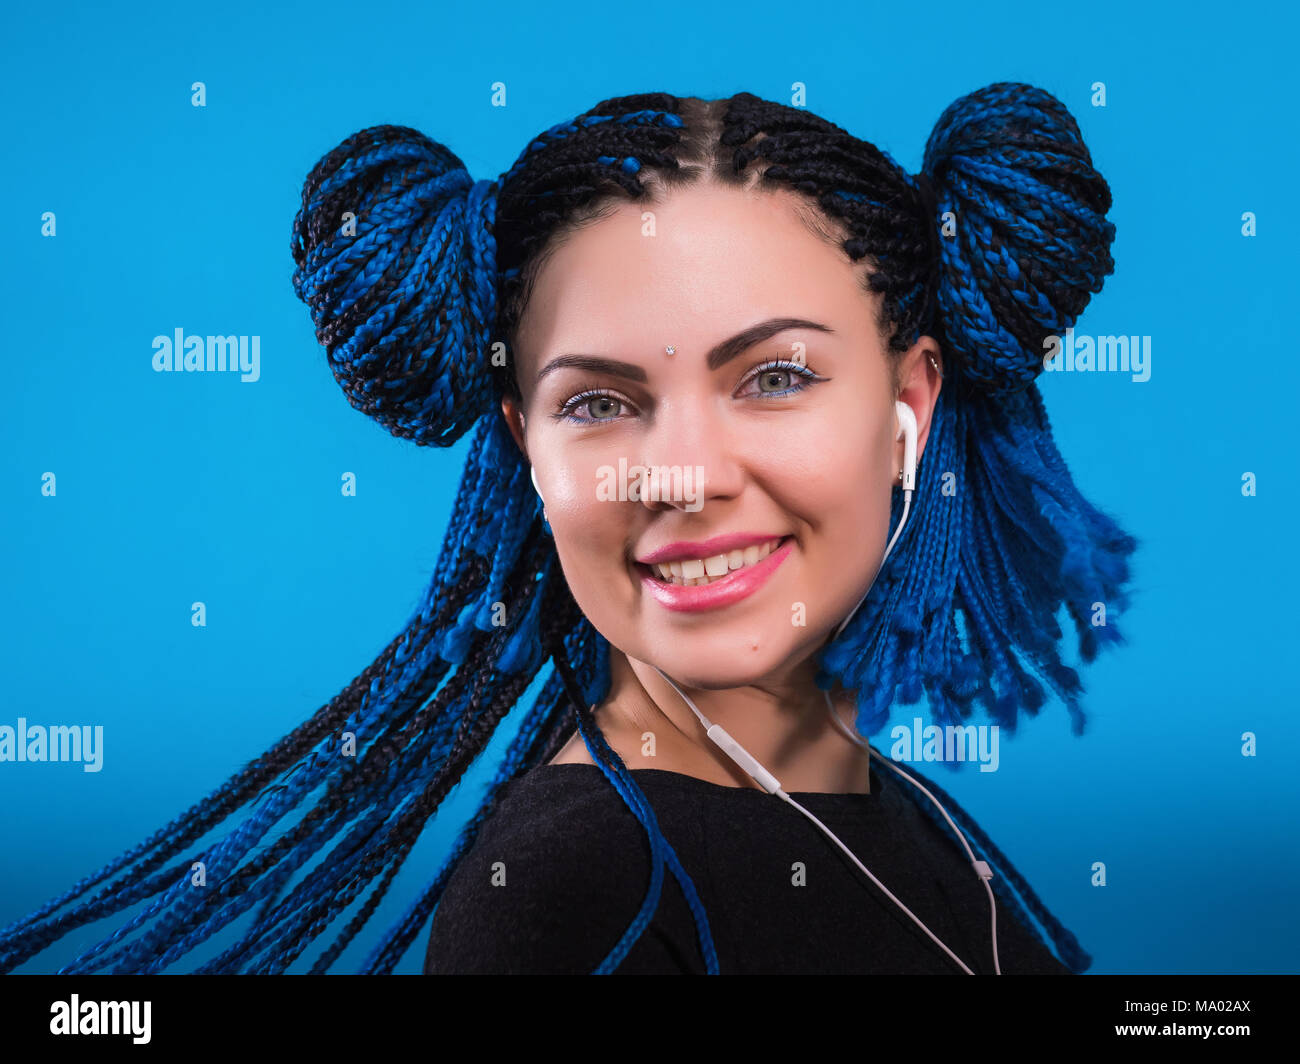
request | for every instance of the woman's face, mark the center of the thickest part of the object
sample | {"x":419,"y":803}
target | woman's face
{"x":740,"y":450}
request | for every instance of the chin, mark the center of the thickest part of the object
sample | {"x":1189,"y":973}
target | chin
{"x":720,"y":669}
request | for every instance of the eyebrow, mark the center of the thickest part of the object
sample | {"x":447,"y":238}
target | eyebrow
{"x":718,"y":356}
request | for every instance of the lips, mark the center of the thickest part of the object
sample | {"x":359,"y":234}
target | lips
{"x":736,"y":585}
{"x":708,"y":548}
{"x":707,"y":570}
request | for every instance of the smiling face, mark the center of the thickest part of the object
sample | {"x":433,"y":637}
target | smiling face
{"x":779,"y":398}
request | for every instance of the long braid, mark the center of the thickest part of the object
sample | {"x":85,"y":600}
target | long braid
{"x":388,"y":848}
{"x":168,"y":842}
{"x":547,"y":728}
{"x":661,"y":851}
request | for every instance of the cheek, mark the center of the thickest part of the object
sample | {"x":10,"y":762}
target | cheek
{"x":841,"y":475}
{"x":844,"y":500}
{"x":590,"y":537}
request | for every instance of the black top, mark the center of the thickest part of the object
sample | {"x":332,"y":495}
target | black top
{"x":779,"y":895}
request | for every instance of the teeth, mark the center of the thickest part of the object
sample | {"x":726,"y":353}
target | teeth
{"x":695,"y":572}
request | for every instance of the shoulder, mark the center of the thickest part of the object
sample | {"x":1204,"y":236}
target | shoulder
{"x":558,"y":871}
{"x":558,"y":813}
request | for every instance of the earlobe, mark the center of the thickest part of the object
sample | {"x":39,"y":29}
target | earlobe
{"x":514,"y":418}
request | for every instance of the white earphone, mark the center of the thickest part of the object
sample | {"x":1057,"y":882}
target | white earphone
{"x":907,"y":428}
{"x":532,"y":472}
{"x":772,"y":785}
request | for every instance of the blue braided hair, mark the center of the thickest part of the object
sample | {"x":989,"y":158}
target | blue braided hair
{"x":416,"y":276}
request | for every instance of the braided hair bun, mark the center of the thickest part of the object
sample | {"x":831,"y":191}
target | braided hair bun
{"x":1032,"y":243}
{"x":395,"y":257}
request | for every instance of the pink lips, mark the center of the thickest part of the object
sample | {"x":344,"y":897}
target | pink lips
{"x":738,"y":584}
{"x":709,"y":547}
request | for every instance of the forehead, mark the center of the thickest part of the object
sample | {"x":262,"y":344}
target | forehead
{"x":706,"y":260}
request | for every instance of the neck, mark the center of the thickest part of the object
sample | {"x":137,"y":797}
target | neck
{"x":783,"y":723}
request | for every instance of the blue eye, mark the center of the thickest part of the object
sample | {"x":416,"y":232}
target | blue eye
{"x":785,"y":366}
{"x":777,"y":366}
{"x":586,"y":397}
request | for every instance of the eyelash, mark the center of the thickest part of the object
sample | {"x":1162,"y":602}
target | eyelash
{"x":809,"y":379}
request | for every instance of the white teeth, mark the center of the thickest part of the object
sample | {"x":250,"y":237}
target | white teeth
{"x":693,"y":572}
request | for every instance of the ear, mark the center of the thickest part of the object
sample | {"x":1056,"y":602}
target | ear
{"x":918,"y":386}
{"x":514,"y":416}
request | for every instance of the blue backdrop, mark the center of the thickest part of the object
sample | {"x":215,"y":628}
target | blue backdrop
{"x":176,"y":488}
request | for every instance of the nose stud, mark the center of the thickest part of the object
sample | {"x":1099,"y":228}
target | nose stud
{"x":670,"y":350}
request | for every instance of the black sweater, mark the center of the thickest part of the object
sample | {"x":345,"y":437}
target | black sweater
{"x":576,"y":865}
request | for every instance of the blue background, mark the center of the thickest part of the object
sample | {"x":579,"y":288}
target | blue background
{"x":181,"y":487}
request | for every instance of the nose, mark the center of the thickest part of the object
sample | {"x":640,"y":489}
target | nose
{"x":690,"y":454}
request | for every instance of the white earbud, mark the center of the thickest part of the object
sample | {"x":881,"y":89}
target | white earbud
{"x":532,"y":472}
{"x":907,"y":427}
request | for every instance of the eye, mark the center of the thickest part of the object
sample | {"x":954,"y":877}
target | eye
{"x":589,"y":398}
{"x":783,"y":368}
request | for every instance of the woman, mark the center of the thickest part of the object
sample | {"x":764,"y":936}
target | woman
{"x":617,"y":305}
